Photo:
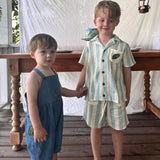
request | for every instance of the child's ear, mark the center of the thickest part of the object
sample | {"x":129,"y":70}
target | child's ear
{"x":32,"y":55}
{"x":117,"y":22}
{"x":94,"y":22}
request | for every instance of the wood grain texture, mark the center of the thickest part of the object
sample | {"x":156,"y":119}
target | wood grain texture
{"x":141,"y":139}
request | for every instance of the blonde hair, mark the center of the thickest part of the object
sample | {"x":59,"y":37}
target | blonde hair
{"x":43,"y":41}
{"x":113,"y":7}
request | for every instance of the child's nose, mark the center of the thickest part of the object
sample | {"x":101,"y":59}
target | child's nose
{"x":48,"y":54}
{"x":106,"y":23}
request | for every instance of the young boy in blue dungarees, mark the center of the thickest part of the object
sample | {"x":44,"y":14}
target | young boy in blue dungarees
{"x":44,"y":118}
{"x":106,"y":72}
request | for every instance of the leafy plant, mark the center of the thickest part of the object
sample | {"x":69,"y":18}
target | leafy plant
{"x":15,"y":22}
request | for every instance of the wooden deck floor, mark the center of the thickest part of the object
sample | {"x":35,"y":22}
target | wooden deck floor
{"x":141,"y":139}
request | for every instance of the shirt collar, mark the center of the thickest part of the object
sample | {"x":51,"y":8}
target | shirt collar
{"x":112,"y":41}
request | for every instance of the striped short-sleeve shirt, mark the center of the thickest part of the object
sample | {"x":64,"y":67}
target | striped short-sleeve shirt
{"x":104,"y":69}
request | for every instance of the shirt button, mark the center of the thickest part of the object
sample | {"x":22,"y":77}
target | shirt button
{"x":103,"y":84}
{"x":103,"y":95}
{"x":103,"y":72}
{"x":102,"y":60}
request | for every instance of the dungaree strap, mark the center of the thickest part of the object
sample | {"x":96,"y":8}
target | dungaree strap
{"x":53,"y":71}
{"x":39,"y":72}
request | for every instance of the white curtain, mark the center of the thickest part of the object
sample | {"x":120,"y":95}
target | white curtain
{"x":66,"y":20}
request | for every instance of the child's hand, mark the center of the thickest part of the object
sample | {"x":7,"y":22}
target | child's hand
{"x":82,"y":92}
{"x":127,"y":102}
{"x":128,"y":99}
{"x":40,"y":135}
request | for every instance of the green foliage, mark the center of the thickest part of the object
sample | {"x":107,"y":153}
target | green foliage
{"x":15,"y":22}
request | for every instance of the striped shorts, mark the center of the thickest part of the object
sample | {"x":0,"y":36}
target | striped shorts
{"x":98,"y":114}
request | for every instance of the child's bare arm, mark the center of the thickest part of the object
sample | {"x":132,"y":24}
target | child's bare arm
{"x":73,"y":93}
{"x":32,"y":87}
{"x":81,"y":79}
{"x":80,"y":90}
{"x":127,"y":81}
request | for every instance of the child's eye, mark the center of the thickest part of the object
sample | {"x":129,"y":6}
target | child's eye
{"x":52,"y":52}
{"x":43,"y":51}
{"x":111,"y":20}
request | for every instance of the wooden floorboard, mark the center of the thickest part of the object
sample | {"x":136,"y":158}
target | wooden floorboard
{"x":141,"y":139}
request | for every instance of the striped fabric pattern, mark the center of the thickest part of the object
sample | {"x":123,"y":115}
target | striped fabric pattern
{"x":98,"y":114}
{"x":104,"y":75}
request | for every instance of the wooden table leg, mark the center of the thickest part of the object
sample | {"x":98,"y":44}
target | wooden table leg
{"x":147,"y":89}
{"x":149,"y":106}
{"x":15,"y":134}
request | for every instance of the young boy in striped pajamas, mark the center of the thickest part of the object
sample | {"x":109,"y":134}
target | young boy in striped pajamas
{"x":106,"y":72}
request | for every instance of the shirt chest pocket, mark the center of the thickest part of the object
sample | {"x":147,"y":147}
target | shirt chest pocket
{"x":115,"y":56}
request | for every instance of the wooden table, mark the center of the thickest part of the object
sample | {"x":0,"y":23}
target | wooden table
{"x":146,"y":60}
